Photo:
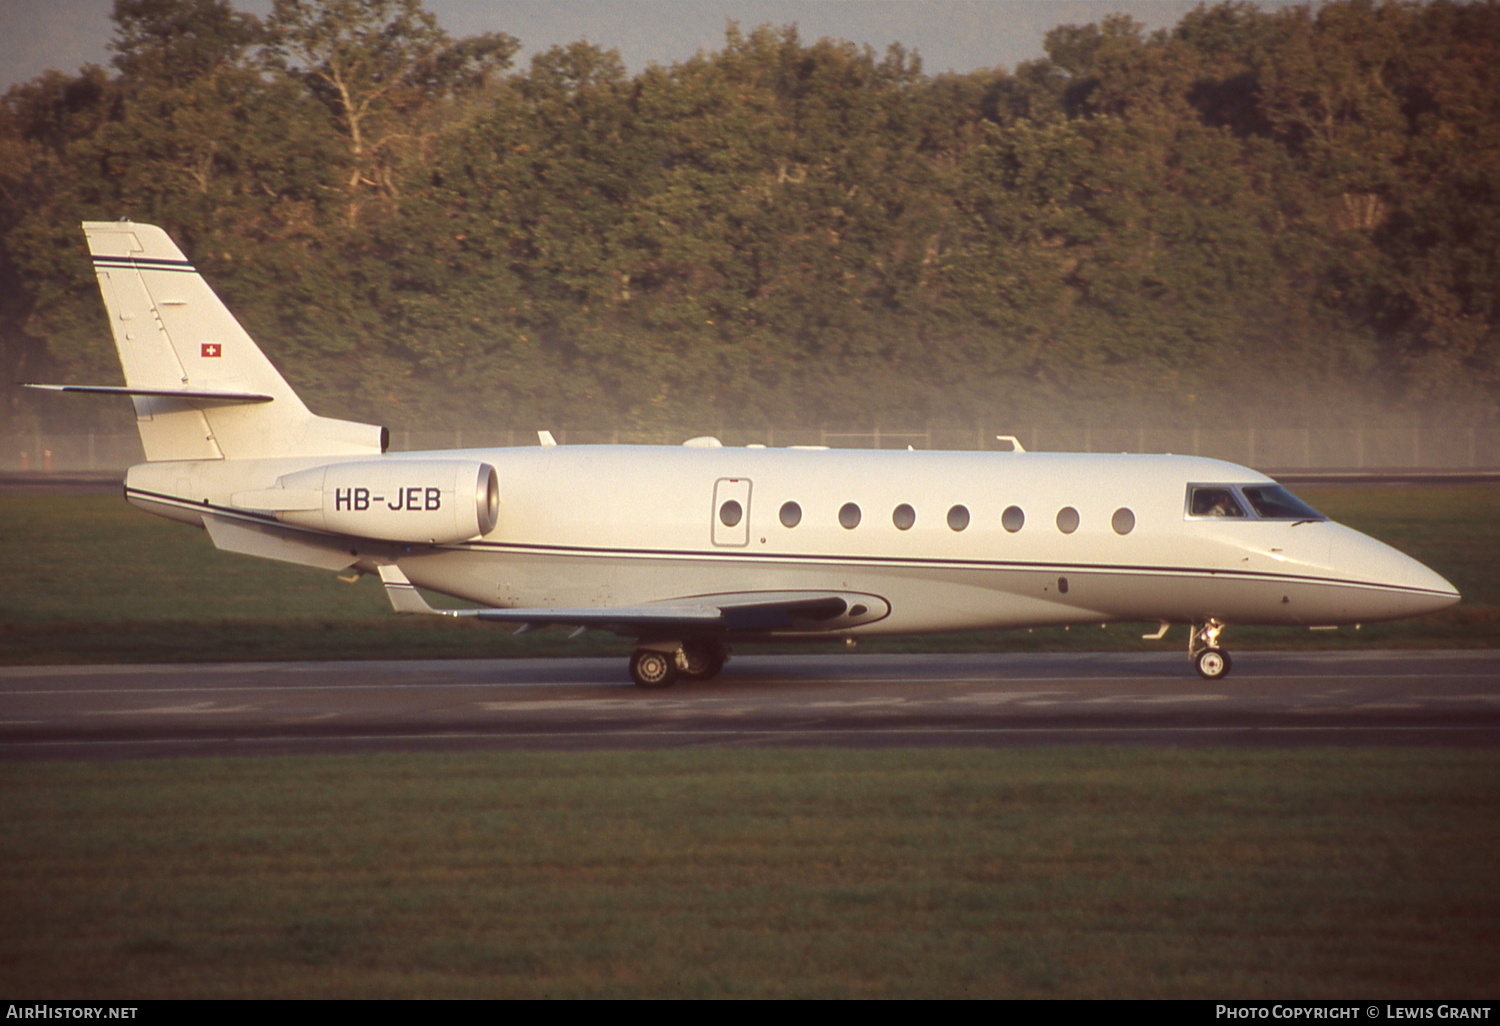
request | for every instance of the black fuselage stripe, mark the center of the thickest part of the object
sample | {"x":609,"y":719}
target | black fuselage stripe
{"x":917,"y":562}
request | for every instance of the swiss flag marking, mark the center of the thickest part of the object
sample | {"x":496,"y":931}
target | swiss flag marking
{"x":211,"y":350}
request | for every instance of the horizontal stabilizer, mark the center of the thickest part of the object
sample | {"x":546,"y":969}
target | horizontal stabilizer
{"x":186,"y":394}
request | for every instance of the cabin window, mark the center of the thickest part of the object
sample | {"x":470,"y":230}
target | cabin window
{"x":731,"y":513}
{"x":849,"y":516}
{"x":1067,"y":520}
{"x":1123,"y":521}
{"x":1013,"y":519}
{"x":1213,"y":501}
{"x":903,"y":516}
{"x":791,"y":514}
{"x":958,"y":517}
{"x":1276,"y":503}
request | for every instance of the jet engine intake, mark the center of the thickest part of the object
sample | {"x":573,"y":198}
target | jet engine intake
{"x":436,"y":501}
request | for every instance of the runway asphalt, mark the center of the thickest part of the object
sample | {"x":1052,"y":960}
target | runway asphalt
{"x":1271,"y":699}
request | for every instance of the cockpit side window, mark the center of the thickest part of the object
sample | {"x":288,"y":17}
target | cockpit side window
{"x":1213,"y":501}
{"x":1276,"y":503}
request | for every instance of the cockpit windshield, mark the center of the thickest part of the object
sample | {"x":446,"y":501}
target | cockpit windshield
{"x":1259,"y":501}
{"x":1273,"y":502}
{"x":1214,"y":501}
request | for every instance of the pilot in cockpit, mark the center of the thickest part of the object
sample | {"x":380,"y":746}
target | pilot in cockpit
{"x":1215,"y":502}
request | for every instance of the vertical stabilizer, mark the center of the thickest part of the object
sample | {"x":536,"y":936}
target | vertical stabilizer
{"x":175,"y":335}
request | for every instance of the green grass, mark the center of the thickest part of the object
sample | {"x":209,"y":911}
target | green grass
{"x":1116,"y":872}
{"x":90,"y":579}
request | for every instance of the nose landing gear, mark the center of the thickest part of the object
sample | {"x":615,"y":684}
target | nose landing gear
{"x":1211,"y":661}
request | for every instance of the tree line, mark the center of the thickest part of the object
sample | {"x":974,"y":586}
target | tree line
{"x":1251,"y":209}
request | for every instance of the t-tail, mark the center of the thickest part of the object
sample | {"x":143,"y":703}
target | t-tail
{"x":202,"y":388}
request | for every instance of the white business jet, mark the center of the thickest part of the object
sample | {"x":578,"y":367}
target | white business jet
{"x":689,"y":549}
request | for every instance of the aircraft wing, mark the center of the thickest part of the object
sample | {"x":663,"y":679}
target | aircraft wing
{"x":735,"y":611}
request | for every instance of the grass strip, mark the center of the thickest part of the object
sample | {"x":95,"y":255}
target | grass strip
{"x":1064,"y":872}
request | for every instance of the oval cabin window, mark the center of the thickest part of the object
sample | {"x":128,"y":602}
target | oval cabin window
{"x":1067,"y":520}
{"x":791,"y":514}
{"x":1123,"y":521}
{"x":1013,"y":519}
{"x":958,"y":517}
{"x":730,"y":513}
{"x":849,"y":516}
{"x":903,"y":516}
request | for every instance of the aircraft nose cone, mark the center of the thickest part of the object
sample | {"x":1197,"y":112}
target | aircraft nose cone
{"x":1411,"y":587}
{"x":1431,"y":591}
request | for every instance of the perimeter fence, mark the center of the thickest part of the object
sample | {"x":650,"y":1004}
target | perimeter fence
{"x":1350,"y":447}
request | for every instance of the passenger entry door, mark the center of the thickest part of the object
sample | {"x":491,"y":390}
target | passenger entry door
{"x":731,"y":513}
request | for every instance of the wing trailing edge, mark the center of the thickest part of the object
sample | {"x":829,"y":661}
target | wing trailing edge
{"x":754,"y":611}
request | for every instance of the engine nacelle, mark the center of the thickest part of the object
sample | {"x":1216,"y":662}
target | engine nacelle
{"x":439,"y":501}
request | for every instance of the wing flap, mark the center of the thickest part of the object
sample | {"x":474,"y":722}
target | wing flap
{"x":734,"y":612}
{"x":626,"y":618}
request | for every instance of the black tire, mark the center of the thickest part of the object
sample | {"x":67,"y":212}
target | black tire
{"x":1212,"y":663}
{"x":653,"y":669}
{"x":700,"y":661}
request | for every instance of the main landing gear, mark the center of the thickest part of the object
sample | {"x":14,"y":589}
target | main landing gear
{"x":660,"y":665}
{"x":652,"y":669}
{"x":1211,"y":661}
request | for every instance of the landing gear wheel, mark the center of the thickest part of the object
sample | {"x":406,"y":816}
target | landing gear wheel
{"x":652,"y":669}
{"x":1212,"y":663}
{"x":700,"y":661}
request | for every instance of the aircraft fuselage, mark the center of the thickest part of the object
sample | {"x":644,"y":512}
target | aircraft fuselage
{"x":928,"y":534}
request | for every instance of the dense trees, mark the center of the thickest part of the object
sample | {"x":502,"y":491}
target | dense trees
{"x":1266,"y":207}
